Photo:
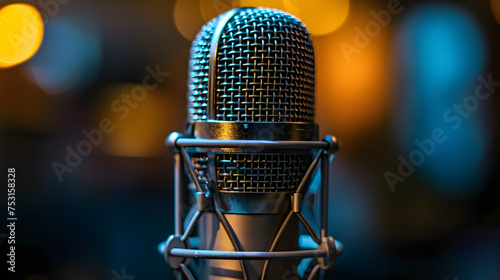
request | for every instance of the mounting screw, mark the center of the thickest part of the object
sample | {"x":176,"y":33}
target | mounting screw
{"x":203,"y":202}
{"x":297,"y":202}
{"x":170,"y":141}
{"x":174,"y":241}
{"x":328,"y":244}
{"x":333,"y":144}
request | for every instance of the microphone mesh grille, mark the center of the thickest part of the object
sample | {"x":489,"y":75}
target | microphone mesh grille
{"x":265,"y":172}
{"x":265,"y":69}
{"x":198,"y":72}
{"x":260,"y":173}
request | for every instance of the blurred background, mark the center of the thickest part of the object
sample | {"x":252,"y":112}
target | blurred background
{"x":90,"y":89}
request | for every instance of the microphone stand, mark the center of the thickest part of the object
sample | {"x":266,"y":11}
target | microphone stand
{"x":179,"y":248}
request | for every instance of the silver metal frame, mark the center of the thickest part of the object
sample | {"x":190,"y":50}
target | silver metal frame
{"x":177,"y":249}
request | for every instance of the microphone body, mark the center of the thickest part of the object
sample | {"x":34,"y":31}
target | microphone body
{"x":249,"y":152}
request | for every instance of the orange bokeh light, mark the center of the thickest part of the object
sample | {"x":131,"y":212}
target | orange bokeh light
{"x":275,"y":4}
{"x":353,"y":84}
{"x":188,"y":18}
{"x":495,"y":9}
{"x":211,"y":9}
{"x":21,"y":33}
{"x":140,"y":124}
{"x":320,"y":16}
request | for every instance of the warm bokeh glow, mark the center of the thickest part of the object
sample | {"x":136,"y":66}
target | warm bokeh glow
{"x":320,"y":16}
{"x":21,"y":33}
{"x":188,"y":18}
{"x":409,"y":88}
{"x":24,"y":106}
{"x":210,"y":8}
{"x":142,"y":119}
{"x":495,"y":9}
{"x":352,"y":83}
{"x":275,"y":4}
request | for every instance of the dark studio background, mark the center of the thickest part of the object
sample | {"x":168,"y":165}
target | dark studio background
{"x":105,"y":219}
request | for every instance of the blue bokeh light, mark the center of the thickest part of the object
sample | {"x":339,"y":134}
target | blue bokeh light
{"x":440,"y":53}
{"x":70,"y":55}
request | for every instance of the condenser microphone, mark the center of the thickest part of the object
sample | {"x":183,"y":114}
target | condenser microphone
{"x":250,"y":153}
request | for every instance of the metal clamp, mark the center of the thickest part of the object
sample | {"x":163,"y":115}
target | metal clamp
{"x":177,"y":250}
{"x":328,"y":245}
{"x":174,"y":241}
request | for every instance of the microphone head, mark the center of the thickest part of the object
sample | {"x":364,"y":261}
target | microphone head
{"x":252,"y":65}
{"x":251,"y":115}
{"x":251,"y":77}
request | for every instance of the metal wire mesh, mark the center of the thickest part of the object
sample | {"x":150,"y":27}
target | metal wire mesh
{"x":198,"y":72}
{"x":265,"y":69}
{"x":263,"y":172}
{"x":199,"y":162}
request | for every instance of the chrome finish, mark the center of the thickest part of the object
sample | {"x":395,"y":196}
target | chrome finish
{"x":237,"y":246}
{"x":247,"y":255}
{"x":252,"y":166}
{"x":210,"y":143}
{"x":186,"y":272}
{"x":277,"y":237}
{"x":252,"y":233}
{"x":309,"y":171}
{"x":255,"y":131}
{"x":253,"y":203}
{"x":250,"y":152}
{"x":178,"y":193}
{"x":212,"y":69}
{"x":252,"y":65}
{"x":252,"y":252}
{"x":191,"y":226}
{"x":325,"y":172}
{"x":308,"y":227}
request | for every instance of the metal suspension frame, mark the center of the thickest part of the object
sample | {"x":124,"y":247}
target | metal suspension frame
{"x":177,"y":249}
